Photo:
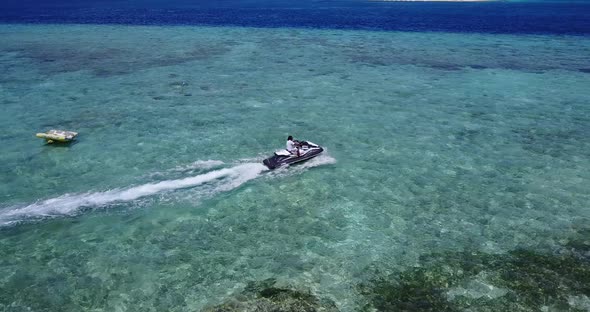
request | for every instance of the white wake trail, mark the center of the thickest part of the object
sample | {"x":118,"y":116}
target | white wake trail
{"x":70,"y":204}
{"x":220,"y":180}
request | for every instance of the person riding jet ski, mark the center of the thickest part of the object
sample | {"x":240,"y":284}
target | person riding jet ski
{"x":296,"y":151}
{"x":293,"y":146}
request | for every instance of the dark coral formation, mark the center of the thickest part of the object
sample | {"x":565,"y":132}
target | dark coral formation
{"x":530,"y":281}
{"x":556,"y":142}
{"x":106,"y":61}
{"x":265,"y":296}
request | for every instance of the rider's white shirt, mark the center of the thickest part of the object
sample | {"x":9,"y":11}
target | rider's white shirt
{"x":290,"y":146}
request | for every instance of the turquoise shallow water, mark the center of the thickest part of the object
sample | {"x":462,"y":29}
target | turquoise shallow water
{"x":436,"y":142}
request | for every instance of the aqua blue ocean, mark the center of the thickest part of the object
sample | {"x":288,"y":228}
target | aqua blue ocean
{"x":456,"y":175}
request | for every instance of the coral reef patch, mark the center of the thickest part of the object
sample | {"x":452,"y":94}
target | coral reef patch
{"x":520,"y":280}
{"x":266,"y":296}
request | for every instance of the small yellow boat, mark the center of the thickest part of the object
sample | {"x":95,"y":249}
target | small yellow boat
{"x":58,"y":136}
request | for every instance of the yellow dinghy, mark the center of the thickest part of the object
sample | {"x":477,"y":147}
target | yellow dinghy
{"x":58,"y":136}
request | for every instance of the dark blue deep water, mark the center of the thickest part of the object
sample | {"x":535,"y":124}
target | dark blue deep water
{"x":492,"y":17}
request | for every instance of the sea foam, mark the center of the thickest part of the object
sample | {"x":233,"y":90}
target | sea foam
{"x":225,"y":180}
{"x":71,"y":204}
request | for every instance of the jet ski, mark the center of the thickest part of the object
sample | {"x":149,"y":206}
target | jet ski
{"x":307,"y":150}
